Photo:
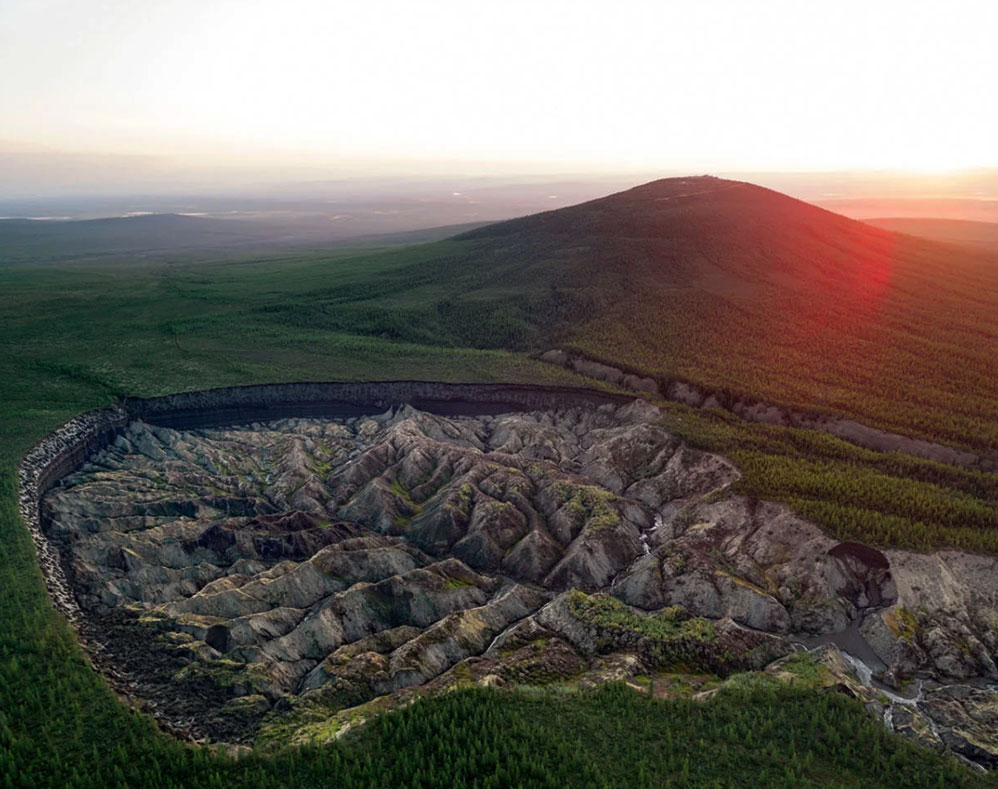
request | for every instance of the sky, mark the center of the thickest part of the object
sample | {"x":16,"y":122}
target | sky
{"x":107,"y":88}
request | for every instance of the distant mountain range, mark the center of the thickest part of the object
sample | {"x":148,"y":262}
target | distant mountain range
{"x":53,"y":240}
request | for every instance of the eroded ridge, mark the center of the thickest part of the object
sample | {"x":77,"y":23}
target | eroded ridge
{"x":285,"y":572}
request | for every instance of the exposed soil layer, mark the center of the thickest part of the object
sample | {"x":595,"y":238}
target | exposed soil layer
{"x":754,"y":410}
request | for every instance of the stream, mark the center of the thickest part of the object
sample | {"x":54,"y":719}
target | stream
{"x":857,"y":650}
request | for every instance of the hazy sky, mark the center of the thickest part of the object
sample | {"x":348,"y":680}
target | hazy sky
{"x":701,"y":85}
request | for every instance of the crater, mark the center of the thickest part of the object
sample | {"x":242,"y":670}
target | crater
{"x":244,"y":574}
{"x":355,"y":557}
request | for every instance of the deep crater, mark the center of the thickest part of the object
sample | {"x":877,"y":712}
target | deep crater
{"x":278,"y":580}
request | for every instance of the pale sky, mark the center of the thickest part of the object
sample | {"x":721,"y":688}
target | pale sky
{"x":694,"y":85}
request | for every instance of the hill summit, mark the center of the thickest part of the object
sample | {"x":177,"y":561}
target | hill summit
{"x":722,"y":235}
{"x":732,"y":285}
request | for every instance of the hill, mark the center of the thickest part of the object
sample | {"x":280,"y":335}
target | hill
{"x":36,"y":240}
{"x":956,"y":231}
{"x":732,"y":285}
{"x":721,"y":283}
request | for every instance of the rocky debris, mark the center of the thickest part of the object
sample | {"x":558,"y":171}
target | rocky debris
{"x":259,"y":557}
{"x":756,"y":563}
{"x":945,"y":621}
{"x":964,"y":718}
{"x":381,"y":667}
{"x":57,"y":453}
{"x":768,"y":413}
{"x":66,"y":448}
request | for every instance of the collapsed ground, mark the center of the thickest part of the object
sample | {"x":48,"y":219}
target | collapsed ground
{"x":282,"y":582}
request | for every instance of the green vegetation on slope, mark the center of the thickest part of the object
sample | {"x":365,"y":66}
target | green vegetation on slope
{"x":886,"y":499}
{"x":739,"y":288}
{"x":669,"y":624}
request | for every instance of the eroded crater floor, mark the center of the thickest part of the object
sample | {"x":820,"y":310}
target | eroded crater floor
{"x":278,"y":574}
